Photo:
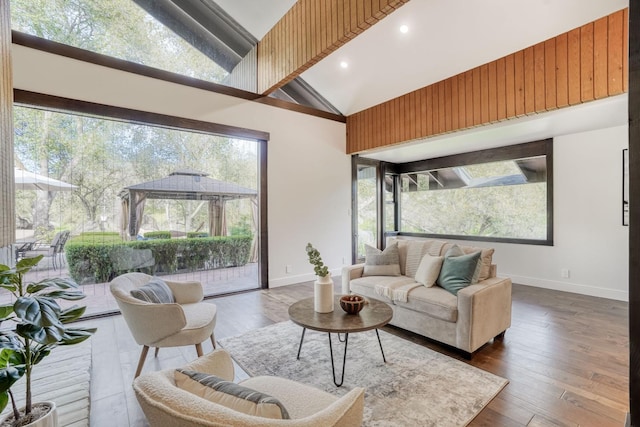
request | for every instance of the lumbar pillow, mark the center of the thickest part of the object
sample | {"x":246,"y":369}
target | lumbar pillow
{"x":429,"y":270}
{"x":382,"y":263}
{"x":155,"y":291}
{"x":229,"y":394}
{"x":457,"y":272}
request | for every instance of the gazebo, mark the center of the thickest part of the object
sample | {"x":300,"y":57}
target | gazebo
{"x":183,"y":184}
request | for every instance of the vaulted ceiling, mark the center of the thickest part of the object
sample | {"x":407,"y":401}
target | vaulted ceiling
{"x":443,"y":38}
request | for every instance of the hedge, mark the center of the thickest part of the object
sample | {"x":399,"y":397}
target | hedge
{"x":158,"y":235}
{"x":198,"y":234}
{"x":95,"y":262}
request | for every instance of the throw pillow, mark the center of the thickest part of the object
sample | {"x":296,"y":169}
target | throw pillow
{"x":456,"y":250}
{"x":429,"y":270}
{"x":381,"y":263}
{"x":229,"y":394}
{"x":457,"y":272}
{"x":155,"y":291}
{"x":415,"y":253}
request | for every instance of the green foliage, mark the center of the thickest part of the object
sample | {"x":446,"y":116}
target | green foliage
{"x":96,"y":263}
{"x":40,"y":325}
{"x":96,"y":237}
{"x":315,"y":259}
{"x":157,"y":235}
{"x":197,"y":234}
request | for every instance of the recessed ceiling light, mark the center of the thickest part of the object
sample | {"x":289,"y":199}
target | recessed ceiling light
{"x":344,"y":64}
{"x":404,"y":29}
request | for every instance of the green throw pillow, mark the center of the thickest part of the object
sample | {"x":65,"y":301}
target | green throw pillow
{"x":457,"y":272}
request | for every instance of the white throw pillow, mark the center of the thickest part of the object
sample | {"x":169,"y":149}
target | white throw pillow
{"x":429,"y":270}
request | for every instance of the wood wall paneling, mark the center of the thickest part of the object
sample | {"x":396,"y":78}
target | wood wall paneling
{"x":561,"y":80}
{"x":586,"y":62}
{"x":501,"y":89}
{"x":583,"y":64}
{"x":550,"y":70}
{"x":600,"y":58}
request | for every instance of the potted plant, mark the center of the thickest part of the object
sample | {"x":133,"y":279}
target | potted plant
{"x":38,"y":325}
{"x":323,"y":287}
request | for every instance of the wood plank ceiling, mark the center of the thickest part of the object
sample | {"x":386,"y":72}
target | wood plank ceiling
{"x":310,"y":31}
{"x":587,"y":63}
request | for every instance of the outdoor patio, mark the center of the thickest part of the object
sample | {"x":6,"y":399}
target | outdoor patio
{"x":99,"y":300}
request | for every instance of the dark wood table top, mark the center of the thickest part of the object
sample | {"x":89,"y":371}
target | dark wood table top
{"x":374,"y":315}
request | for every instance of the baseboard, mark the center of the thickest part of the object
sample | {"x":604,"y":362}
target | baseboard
{"x":301,"y":278}
{"x":575,"y":288}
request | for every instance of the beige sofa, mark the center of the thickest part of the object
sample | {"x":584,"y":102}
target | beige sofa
{"x":467,"y":321}
{"x":164,"y":404}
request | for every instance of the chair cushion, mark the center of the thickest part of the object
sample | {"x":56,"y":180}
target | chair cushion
{"x":429,"y":270}
{"x":434,"y":301}
{"x":229,"y":394}
{"x":156,"y":291}
{"x":457,"y":272}
{"x":382,"y":263}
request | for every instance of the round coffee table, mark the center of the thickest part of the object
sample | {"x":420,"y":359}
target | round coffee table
{"x":374,"y":315}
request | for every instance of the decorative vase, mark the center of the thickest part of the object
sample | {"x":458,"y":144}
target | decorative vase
{"x":50,"y":419}
{"x":323,"y":294}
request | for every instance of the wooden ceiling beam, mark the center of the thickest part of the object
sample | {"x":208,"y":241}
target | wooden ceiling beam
{"x":310,"y":31}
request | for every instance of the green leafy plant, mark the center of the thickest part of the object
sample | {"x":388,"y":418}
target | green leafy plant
{"x":315,"y":259}
{"x":39,"y":326}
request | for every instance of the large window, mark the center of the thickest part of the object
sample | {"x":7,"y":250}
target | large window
{"x":117,"y":28}
{"x":502,"y":194}
{"x":135,"y":197}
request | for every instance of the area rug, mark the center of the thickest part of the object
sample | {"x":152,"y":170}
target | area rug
{"x":416,"y":387}
{"x":63,"y":377}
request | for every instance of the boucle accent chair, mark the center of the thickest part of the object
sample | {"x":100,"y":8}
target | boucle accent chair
{"x":164,"y":404}
{"x":188,"y":321}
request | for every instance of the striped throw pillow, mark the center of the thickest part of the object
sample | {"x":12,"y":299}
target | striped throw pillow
{"x":155,"y":291}
{"x":229,"y":394}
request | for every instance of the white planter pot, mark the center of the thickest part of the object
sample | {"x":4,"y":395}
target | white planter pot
{"x":323,"y":294}
{"x":48,"y":420}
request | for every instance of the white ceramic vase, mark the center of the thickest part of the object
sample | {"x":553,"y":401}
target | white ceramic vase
{"x":49,"y":420}
{"x":323,"y":294}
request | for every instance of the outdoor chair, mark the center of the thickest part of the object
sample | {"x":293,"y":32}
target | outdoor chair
{"x":187,"y":321}
{"x":53,"y":249}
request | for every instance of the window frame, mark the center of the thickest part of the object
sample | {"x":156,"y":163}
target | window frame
{"x":68,"y":105}
{"x":512,"y":152}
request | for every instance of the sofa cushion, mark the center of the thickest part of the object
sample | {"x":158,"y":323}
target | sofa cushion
{"x":381,"y":263}
{"x":429,"y":270}
{"x":486,"y":258}
{"x":235,"y":396}
{"x":156,"y":291}
{"x":457,"y":272}
{"x":366,"y":286}
{"x":403,"y":246}
{"x":435,"y":302}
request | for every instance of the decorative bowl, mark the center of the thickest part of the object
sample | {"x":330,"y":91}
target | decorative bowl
{"x":352,"y":304}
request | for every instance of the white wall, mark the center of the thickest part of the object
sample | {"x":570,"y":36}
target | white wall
{"x":309,"y":179}
{"x":589,"y":238}
{"x":309,"y":173}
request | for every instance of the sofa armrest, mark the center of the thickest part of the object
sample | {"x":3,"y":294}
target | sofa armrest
{"x":349,"y":273}
{"x":484,"y":311}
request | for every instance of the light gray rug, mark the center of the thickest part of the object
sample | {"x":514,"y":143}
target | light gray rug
{"x":416,"y":387}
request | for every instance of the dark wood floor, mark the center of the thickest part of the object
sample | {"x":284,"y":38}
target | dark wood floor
{"x":565,"y":355}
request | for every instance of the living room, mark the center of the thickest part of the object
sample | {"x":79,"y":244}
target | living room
{"x":307,"y":163}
